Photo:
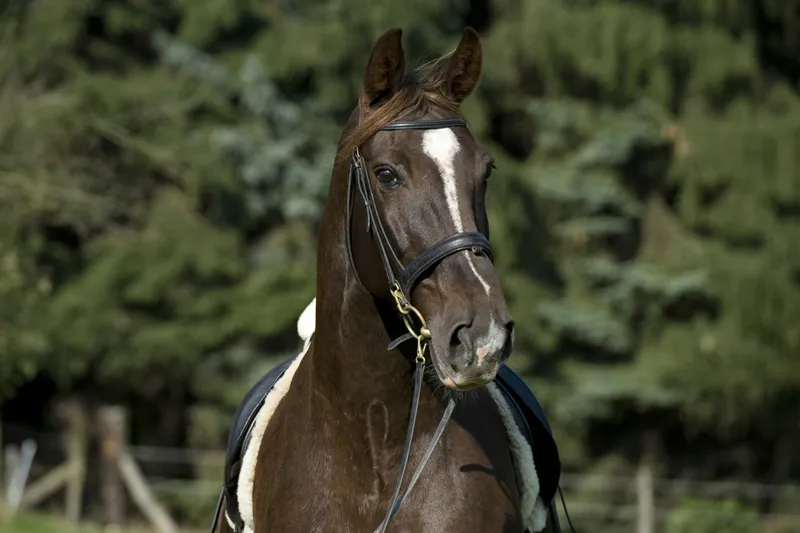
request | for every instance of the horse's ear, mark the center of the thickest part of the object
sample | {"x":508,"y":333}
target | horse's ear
{"x":464,"y":70}
{"x":386,"y":67}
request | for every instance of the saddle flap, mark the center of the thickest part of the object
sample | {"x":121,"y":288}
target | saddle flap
{"x":242,"y":426}
{"x":545,"y":451}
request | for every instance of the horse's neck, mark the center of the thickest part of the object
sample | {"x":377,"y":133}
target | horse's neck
{"x":352,"y":363}
{"x":352,"y":367}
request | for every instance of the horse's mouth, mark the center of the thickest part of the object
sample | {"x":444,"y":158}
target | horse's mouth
{"x":461,"y":383}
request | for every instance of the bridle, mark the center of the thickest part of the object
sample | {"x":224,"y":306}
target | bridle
{"x":402,"y":284}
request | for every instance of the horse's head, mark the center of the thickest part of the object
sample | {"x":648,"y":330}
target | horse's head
{"x":417,"y":162}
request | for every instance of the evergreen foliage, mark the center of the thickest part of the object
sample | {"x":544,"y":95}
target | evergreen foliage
{"x":164,"y":166}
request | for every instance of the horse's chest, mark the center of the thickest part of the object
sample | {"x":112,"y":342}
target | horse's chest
{"x":468,"y":484}
{"x":477,"y":497}
{"x":461,"y":489}
{"x":472,"y":488}
{"x":474,"y":500}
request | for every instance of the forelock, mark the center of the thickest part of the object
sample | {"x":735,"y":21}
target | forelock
{"x":422,"y":92}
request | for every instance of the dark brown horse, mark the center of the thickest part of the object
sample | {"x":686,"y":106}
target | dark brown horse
{"x":403,"y":261}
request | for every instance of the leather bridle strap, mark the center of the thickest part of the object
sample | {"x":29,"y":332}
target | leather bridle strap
{"x":395,"y":501}
{"x":373,"y":219}
{"x":425,"y":124}
{"x":473,"y":241}
{"x":410,"y":275}
{"x":401,"y":286}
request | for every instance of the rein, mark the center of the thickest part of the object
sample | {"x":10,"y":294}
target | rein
{"x":401,"y":286}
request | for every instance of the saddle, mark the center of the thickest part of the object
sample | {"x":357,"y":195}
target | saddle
{"x":527,"y":410}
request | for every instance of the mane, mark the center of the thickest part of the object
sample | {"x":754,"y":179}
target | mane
{"x":422,"y":90}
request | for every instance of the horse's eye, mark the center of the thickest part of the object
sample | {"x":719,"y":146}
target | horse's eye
{"x":387,"y":177}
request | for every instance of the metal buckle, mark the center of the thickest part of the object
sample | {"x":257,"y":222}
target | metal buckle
{"x":406,"y":309}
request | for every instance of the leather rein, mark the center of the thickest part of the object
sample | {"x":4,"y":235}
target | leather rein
{"x":401,"y":285}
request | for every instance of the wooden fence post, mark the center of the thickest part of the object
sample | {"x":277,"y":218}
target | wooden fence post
{"x":70,"y":473}
{"x":76,"y":439}
{"x":19,"y":477}
{"x":11,"y":458}
{"x":143,"y":496}
{"x":646,"y":519}
{"x":111,"y":430}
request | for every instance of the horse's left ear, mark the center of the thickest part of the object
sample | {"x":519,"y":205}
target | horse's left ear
{"x":465,"y":66}
{"x":386,"y":67}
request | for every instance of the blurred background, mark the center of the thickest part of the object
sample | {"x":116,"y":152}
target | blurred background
{"x":162,"y":171}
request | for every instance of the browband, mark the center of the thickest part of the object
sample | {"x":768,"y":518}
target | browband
{"x":409,"y":277}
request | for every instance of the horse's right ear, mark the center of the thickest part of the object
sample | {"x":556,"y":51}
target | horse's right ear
{"x":386,"y":67}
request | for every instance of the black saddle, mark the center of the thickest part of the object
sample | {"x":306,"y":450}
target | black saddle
{"x":527,"y":411}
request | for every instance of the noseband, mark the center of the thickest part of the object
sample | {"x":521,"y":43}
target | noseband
{"x":402,"y":283}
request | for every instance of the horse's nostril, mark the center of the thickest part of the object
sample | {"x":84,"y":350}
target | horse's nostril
{"x":455,"y":339}
{"x":459,"y":335}
{"x":462,"y":352}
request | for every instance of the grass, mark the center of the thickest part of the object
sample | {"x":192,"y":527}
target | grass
{"x":39,"y":523}
{"x":36,"y":524}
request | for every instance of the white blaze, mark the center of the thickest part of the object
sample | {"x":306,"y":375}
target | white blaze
{"x":441,"y":145}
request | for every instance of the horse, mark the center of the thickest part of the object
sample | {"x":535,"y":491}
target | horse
{"x":405,"y":343}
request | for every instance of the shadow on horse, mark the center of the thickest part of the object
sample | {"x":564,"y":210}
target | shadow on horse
{"x":402,"y":382}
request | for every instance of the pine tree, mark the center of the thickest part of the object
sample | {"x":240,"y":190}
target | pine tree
{"x":164,"y":167}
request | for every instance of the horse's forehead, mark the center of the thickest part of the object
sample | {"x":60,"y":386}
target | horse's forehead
{"x":442,"y":150}
{"x":442,"y":146}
